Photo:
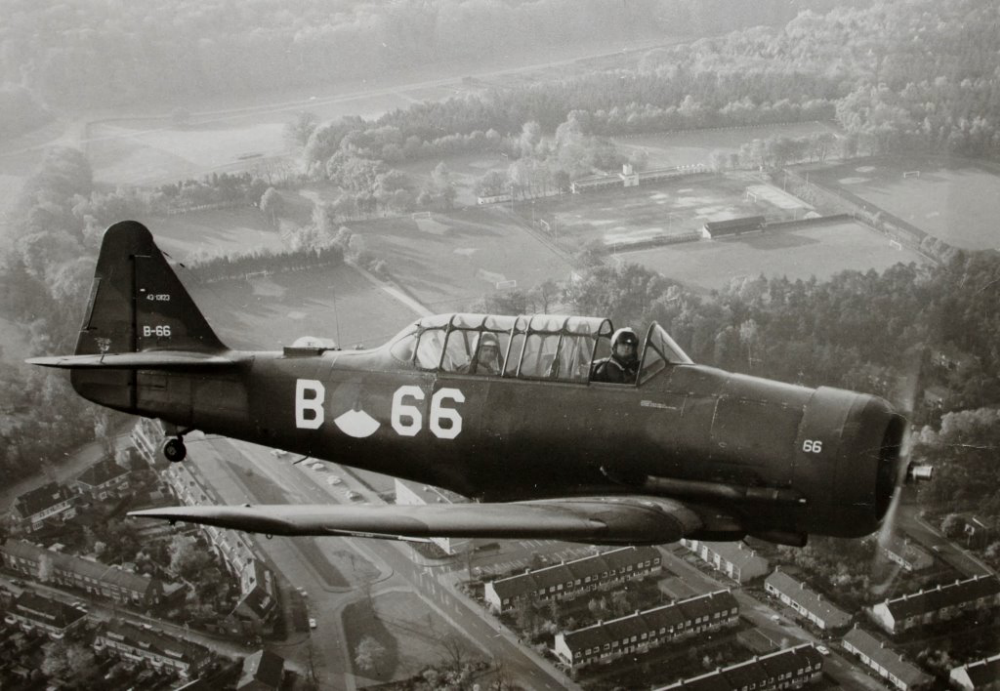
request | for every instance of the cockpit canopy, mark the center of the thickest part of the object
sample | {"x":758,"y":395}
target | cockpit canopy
{"x":541,"y":346}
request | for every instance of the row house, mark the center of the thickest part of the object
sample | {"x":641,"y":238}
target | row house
{"x":573,"y":578}
{"x":33,"y":612}
{"x":735,"y":559}
{"x":103,"y":480}
{"x":808,"y":603}
{"x":136,"y":646}
{"x":70,"y":571}
{"x":645,"y":630}
{"x":886,"y":662}
{"x":943,"y":603}
{"x":50,"y":502}
{"x":981,"y":675}
{"x":784,"y":669}
{"x":146,"y":435}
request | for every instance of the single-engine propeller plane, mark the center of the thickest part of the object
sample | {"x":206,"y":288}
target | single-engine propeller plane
{"x":542,"y":450}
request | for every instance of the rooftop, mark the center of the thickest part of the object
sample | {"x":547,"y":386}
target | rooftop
{"x":942,"y":596}
{"x":808,"y":599}
{"x":885,"y":657}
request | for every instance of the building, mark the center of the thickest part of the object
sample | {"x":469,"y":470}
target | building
{"x":808,"y":603}
{"x":50,"y":502}
{"x":886,"y":662}
{"x":645,"y":630}
{"x":136,"y":645}
{"x":572,"y":578}
{"x":416,"y":494}
{"x":34,"y":612}
{"x":735,"y":559}
{"x":981,"y":675}
{"x":732,"y":226}
{"x":262,"y":671}
{"x":943,"y":603}
{"x":785,"y":669}
{"x":908,"y":555}
{"x":147,"y":434}
{"x":85,"y":575}
{"x":103,"y":480}
{"x":258,"y":595}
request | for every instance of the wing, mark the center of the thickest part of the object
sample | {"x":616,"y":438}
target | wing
{"x":599,"y":520}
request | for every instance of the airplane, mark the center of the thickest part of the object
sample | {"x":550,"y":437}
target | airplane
{"x":539,"y":448}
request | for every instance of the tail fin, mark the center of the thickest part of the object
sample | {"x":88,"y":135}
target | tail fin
{"x":137,"y":303}
{"x":139,"y":318}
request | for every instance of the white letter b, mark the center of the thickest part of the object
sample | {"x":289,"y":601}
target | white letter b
{"x":309,"y":411}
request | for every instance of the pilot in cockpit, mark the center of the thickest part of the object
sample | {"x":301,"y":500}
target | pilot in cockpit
{"x":487,"y":359}
{"x":623,"y":364}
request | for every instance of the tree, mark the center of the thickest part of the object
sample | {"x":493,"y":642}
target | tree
{"x":272,"y":204}
{"x":369,"y":654}
{"x":301,"y":128}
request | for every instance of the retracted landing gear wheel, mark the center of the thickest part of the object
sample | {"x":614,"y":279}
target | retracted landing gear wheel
{"x":174,"y":450}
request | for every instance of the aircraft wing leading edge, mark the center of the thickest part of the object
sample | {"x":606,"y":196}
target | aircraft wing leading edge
{"x":614,"y":520}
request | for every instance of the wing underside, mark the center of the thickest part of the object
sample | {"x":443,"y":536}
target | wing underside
{"x":616,"y":520}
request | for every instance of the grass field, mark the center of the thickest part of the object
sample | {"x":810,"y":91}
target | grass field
{"x":819,"y":251}
{"x":220,"y":230}
{"x":954,"y":201}
{"x":690,"y":147}
{"x":410,"y":631}
{"x":452,"y":260}
{"x":267,"y":313}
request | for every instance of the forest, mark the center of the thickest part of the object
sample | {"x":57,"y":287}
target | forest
{"x":98,"y":54}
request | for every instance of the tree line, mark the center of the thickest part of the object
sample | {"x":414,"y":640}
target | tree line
{"x":95,"y":54}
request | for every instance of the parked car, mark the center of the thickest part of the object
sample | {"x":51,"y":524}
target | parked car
{"x":334,"y":480}
{"x":312,"y":623}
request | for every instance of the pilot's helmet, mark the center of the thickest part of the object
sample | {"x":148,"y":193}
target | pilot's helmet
{"x":488,"y":340}
{"x":624,"y":335}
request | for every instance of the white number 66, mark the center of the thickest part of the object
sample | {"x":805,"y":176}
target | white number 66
{"x":812,"y":446}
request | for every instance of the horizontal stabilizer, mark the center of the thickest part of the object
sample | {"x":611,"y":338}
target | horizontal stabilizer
{"x":616,"y":520}
{"x":162,"y":359}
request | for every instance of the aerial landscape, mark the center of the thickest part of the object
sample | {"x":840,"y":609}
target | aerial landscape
{"x":791,"y":198}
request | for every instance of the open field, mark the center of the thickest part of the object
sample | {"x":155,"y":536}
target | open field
{"x":411,"y":632}
{"x":798,"y":253}
{"x":269,"y":312}
{"x":690,"y":147}
{"x":449,"y":261}
{"x":955,"y":201}
{"x":218,"y":230}
{"x":675,"y":207}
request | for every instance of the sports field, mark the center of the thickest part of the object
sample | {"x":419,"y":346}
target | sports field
{"x":450,"y":260}
{"x":676,"y":207}
{"x":798,"y":253}
{"x":691,"y":147}
{"x":954,"y":201}
{"x":269,"y":312}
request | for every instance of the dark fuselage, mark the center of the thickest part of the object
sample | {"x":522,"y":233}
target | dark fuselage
{"x":749,"y":454}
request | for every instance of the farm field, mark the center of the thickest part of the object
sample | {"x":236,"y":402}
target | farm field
{"x":954,"y":201}
{"x":798,"y":253}
{"x":691,"y":147}
{"x":269,"y":312}
{"x":675,"y":207}
{"x":451,"y":260}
